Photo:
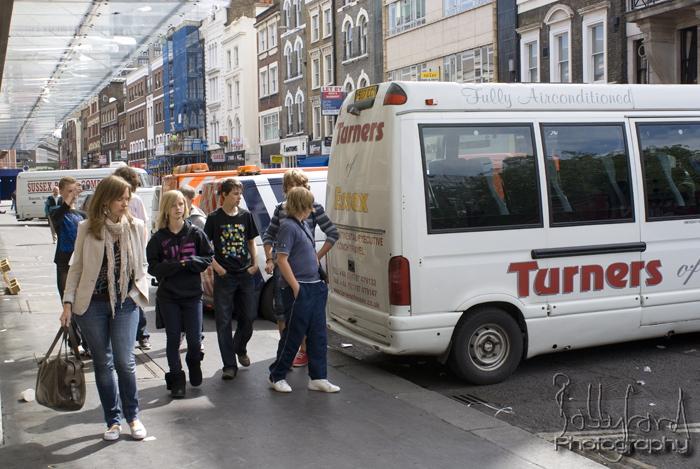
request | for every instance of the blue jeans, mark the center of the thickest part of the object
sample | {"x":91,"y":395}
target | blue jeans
{"x":141,"y":332}
{"x":234,"y":293}
{"x":307,"y":318}
{"x":182,"y":316}
{"x":111,"y":342}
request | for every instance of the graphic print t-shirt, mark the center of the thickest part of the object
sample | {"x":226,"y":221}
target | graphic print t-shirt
{"x":230,"y":235}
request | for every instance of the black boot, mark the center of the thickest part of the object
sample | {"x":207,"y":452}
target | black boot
{"x":168,"y":381}
{"x":177,"y":387}
{"x":195,"y":368}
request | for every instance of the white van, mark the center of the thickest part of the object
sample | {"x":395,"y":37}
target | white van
{"x":488,"y":223}
{"x":34,"y":187}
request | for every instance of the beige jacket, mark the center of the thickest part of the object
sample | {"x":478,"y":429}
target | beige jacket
{"x":87,"y":261}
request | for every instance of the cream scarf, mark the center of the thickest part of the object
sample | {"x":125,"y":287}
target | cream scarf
{"x":112,"y":233}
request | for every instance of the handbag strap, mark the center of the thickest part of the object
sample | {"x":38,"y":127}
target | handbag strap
{"x":65,"y":333}
{"x":73,"y":340}
{"x":59,"y":334}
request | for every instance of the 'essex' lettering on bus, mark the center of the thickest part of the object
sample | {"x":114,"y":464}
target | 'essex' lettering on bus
{"x":353,"y":201}
{"x":556,"y":280}
{"x":360,"y":133}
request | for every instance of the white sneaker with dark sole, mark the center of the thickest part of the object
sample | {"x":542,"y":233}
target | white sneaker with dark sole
{"x":280,"y":386}
{"x":322,"y":385}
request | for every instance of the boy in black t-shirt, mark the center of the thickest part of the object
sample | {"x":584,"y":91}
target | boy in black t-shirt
{"x":232,"y":231}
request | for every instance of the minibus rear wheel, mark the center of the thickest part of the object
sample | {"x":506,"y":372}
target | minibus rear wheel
{"x":266,"y":298}
{"x":487,"y":346}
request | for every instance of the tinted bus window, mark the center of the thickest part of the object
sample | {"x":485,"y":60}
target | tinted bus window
{"x":671,"y":164}
{"x":480,"y":177}
{"x":588,"y":174}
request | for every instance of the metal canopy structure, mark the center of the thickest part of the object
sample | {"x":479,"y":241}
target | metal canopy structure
{"x":62,"y":52}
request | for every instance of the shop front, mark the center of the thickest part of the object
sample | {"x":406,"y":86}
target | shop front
{"x":294,"y":150}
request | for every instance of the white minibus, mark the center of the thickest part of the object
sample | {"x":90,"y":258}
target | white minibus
{"x":34,"y":187}
{"x":489,"y":223}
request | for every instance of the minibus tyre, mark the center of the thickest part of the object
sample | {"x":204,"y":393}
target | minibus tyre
{"x":266,"y":297}
{"x":487,"y":346}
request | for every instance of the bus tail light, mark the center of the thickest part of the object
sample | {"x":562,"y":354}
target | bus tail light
{"x":399,"y":281}
{"x":395,"y":95}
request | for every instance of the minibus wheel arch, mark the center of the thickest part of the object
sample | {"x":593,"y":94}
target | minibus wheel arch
{"x":508,"y":319}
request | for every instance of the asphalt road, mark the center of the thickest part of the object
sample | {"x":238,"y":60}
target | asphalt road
{"x":654,"y":370}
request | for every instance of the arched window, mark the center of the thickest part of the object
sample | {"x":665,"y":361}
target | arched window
{"x":229,"y":126}
{"x":347,"y":38}
{"x":298,"y":12}
{"x":362,"y":82}
{"x":299,"y":50}
{"x":300,"y":110}
{"x":289,"y":104}
{"x":349,"y":85}
{"x":288,"y":58}
{"x":238,"y":129}
{"x":362,"y":33}
{"x":287,"y":16}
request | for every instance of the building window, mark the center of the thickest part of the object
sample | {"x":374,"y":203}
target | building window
{"x":237,"y":88}
{"x":470,"y":66}
{"x":235,"y":57}
{"x":229,"y":95}
{"x":349,"y":85}
{"x":288,"y":59}
{"x":270,"y":126}
{"x":299,"y":50}
{"x":405,"y":14}
{"x":529,"y":56}
{"x":453,"y":7}
{"x":272,"y":35}
{"x":287,"y":15}
{"x":328,"y":69}
{"x":228,"y":60}
{"x":315,"y":72}
{"x":560,"y":58}
{"x":641,"y":65}
{"x":328,"y":122}
{"x":315,"y":28}
{"x":327,"y":22}
{"x":289,"y":104}
{"x":298,"y":12}
{"x":362,"y":27}
{"x":594,"y":47}
{"x":689,"y":55}
{"x":263,"y":83}
{"x":317,"y":121}
{"x":362,"y":82}
{"x":272,"y":76}
{"x":347,"y":39}
{"x":300,"y":111}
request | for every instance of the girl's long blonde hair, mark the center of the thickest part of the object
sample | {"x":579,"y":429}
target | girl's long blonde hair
{"x":107,"y":191}
{"x":167,"y":201}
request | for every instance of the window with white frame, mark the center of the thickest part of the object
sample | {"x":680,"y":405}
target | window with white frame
{"x":299,"y":50}
{"x":470,"y":66}
{"x":560,"y":58}
{"x":229,"y":95}
{"x":289,"y":104}
{"x":315,"y":27}
{"x":362,"y":82}
{"x":288,"y":59}
{"x":558,"y":19}
{"x":529,"y":56}
{"x":272,"y":75}
{"x":594,"y":47}
{"x":237,"y":89}
{"x":316,"y":117}
{"x":228,"y":60}
{"x":235,"y":57}
{"x":237,"y":129}
{"x":287,"y":14}
{"x":300,"y":111}
{"x":328,"y":123}
{"x":272,"y":34}
{"x":264,"y":91}
{"x":347,"y":38}
{"x":405,"y":14}
{"x":328,"y":68}
{"x":349,"y":84}
{"x":315,"y":72}
{"x":298,"y":12}
{"x":229,"y":128}
{"x":262,"y":40}
{"x":270,"y":127}
{"x":327,"y":22}
{"x":362,"y":33}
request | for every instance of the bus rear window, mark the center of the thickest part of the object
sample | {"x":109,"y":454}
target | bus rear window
{"x":480,"y":177}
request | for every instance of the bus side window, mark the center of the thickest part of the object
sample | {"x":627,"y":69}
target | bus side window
{"x":671,"y":165}
{"x":588,"y":173}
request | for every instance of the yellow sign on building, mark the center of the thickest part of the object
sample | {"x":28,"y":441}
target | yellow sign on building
{"x":430,"y":75}
{"x":276,"y":159}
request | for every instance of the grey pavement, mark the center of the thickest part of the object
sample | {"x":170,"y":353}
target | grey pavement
{"x":378,"y":419}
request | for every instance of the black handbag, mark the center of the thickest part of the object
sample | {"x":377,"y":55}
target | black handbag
{"x":60,"y":383}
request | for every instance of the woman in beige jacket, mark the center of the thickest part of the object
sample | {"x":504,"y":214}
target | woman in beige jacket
{"x":105,"y":286}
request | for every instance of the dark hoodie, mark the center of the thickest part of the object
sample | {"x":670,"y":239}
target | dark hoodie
{"x":176,"y":260}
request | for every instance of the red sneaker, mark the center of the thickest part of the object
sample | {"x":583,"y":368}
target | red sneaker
{"x":302,"y":359}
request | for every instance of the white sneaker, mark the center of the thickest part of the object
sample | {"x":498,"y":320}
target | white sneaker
{"x":112,"y":433}
{"x":322,"y":385}
{"x":280,"y":386}
{"x":138,"y":431}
